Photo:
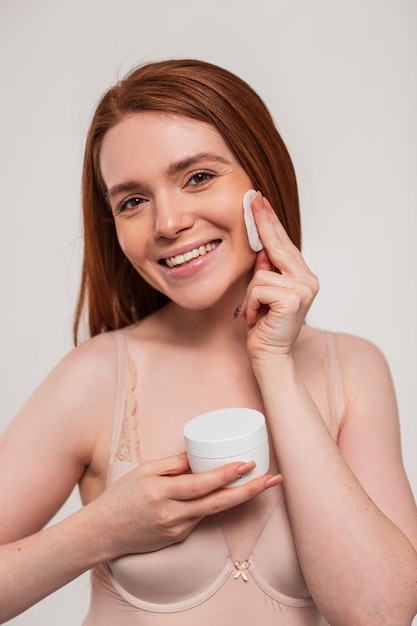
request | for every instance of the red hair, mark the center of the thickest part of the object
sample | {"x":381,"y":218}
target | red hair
{"x":112,"y":293}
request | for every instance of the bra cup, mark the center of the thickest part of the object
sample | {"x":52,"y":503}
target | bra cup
{"x":195,"y":580}
{"x":175,"y":573}
{"x":185,"y":573}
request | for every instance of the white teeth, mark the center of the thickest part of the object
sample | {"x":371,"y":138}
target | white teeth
{"x":180,"y":259}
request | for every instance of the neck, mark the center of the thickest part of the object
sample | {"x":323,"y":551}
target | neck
{"x":215,"y":326}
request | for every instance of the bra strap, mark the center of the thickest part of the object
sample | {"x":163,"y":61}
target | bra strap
{"x":335,"y":388}
{"x":125,"y":438}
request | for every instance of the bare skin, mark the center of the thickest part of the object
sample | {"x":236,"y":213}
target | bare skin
{"x":351,"y":509}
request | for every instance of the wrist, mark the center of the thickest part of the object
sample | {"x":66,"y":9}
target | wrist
{"x":99,"y":533}
{"x":279,"y":366}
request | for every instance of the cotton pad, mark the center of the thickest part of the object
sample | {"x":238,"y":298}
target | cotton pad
{"x":253,"y":235}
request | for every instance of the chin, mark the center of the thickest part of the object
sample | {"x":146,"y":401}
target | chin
{"x":208,"y":294}
{"x":196,"y":306}
{"x":205,"y":303}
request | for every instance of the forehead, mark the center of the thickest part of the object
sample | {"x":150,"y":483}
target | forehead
{"x":154,"y":140}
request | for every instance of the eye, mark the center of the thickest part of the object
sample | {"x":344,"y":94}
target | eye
{"x":200,"y":178}
{"x":130,"y":204}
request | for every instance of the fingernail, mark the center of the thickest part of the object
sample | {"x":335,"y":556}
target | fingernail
{"x":272,"y":481}
{"x":237,"y":311}
{"x":245,"y":468}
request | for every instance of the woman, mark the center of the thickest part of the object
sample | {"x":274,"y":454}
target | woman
{"x":185,"y":317}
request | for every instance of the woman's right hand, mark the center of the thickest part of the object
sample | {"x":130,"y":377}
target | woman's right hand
{"x":160,"y":502}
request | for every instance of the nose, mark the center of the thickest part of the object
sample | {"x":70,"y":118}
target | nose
{"x":171,"y":216}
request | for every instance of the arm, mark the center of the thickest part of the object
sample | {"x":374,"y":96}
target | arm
{"x":351,"y":509}
{"x":57,"y":440}
{"x":44,"y":452}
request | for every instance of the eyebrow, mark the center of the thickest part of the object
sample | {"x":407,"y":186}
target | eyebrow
{"x":173,"y":169}
{"x":194,"y":159}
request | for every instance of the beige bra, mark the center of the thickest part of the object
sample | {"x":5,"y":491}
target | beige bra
{"x":186,"y":574}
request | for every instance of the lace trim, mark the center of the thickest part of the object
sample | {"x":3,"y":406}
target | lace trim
{"x":128,"y":444}
{"x":128,"y":448}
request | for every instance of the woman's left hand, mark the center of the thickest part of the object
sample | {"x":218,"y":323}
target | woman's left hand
{"x":281,"y":291}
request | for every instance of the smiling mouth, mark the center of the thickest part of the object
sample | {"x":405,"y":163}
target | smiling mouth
{"x":183,"y":259}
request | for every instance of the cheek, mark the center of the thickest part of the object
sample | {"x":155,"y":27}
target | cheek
{"x":121,"y":241}
{"x":134,"y":249}
{"x":128,"y":241}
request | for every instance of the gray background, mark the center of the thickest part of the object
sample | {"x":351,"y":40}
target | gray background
{"x":340,"y":80}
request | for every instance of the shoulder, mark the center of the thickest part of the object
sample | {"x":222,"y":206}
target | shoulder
{"x":360,"y":359}
{"x":77,"y":399}
{"x":101,"y":349}
{"x":361,"y":362}
{"x":91,"y":363}
{"x":65,"y":424}
{"x":354,"y":346}
{"x":367,"y":382}
{"x":354,"y":353}
{"x":79,"y":391}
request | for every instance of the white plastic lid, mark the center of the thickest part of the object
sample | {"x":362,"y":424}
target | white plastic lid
{"x":225,"y":433}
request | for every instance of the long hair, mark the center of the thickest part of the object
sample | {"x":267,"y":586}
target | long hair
{"x":112,"y":294}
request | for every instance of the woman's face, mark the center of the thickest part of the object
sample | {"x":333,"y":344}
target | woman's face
{"x":176,"y":190}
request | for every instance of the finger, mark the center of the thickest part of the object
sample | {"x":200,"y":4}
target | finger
{"x":281,"y":251}
{"x":287,"y":303}
{"x":265,"y":216}
{"x":197,"y":485}
{"x":171,"y":465}
{"x":254,"y":307}
{"x":224,"y":499}
{"x":262,"y":262}
{"x":281,"y":295}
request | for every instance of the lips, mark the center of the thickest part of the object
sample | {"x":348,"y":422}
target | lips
{"x":189,"y":255}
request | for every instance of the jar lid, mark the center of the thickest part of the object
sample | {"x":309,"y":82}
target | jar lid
{"x":225,"y":432}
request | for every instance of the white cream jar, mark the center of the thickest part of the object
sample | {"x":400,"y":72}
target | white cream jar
{"x":227,"y":435}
